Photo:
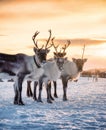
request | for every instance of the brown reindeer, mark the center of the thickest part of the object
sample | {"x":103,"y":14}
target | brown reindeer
{"x":71,"y":71}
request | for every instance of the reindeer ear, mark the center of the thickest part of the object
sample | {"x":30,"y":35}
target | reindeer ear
{"x":74,"y":60}
{"x":65,"y":58}
{"x":64,"y":54}
{"x":55,"y":53}
{"x":47,"y":51}
{"x":85,"y":60}
{"x":34,"y":49}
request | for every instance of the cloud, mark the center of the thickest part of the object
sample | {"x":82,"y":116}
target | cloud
{"x":29,"y":9}
{"x":3,"y":35}
{"x":71,"y":18}
{"x":74,"y":42}
{"x":79,"y":42}
{"x":47,"y":8}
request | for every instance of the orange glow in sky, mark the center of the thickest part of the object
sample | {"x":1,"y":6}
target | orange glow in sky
{"x":81,"y":21}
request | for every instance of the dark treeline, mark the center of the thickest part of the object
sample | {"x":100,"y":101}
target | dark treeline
{"x":90,"y":73}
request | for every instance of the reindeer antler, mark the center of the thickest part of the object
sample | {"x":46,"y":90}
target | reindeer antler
{"x":48,"y":40}
{"x":33,"y":38}
{"x":55,"y":47}
{"x":83,"y":51}
{"x":66,"y":45}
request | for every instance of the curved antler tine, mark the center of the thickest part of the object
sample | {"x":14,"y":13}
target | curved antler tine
{"x":33,"y":38}
{"x":36,"y":43}
{"x":42,"y":47}
{"x":55,"y":47}
{"x":66,"y":46}
{"x":69,"y":42}
{"x":50,"y":46}
{"x":52,"y":40}
{"x":48,"y":38}
{"x":36,"y":33}
{"x":83,"y":51}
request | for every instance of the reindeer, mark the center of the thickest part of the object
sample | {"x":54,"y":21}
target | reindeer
{"x":23,"y":66}
{"x":29,"y":91}
{"x":61,"y":54}
{"x":71,"y":71}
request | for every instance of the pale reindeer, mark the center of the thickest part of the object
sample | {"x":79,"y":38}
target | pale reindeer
{"x":71,"y":71}
{"x":61,"y":54}
{"x":23,"y":66}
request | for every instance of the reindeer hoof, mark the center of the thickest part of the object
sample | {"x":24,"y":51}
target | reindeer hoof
{"x":39,"y":100}
{"x":55,"y":96}
{"x":65,"y":99}
{"x":49,"y":101}
{"x":21,"y":103}
{"x":35,"y":99}
{"x":18,"y":103}
{"x":30,"y":95}
{"x":51,"y":98}
{"x":15,"y":102}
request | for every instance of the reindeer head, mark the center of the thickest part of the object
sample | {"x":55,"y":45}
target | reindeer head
{"x":62,"y":52}
{"x":59,"y":56}
{"x":60,"y":62}
{"x":42,"y":52}
{"x":79,"y":63}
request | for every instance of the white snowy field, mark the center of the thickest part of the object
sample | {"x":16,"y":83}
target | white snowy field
{"x":85,"y":109}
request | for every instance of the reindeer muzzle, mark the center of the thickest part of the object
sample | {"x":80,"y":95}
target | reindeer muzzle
{"x":80,"y":70}
{"x":44,"y":61}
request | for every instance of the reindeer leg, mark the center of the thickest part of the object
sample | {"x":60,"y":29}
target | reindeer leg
{"x":40,"y":90}
{"x":29,"y":91}
{"x":55,"y":89}
{"x":50,"y":92}
{"x":20,"y":81}
{"x":16,"y":95}
{"x":48,"y":89}
{"x":34,"y":92}
{"x":64,"y":82}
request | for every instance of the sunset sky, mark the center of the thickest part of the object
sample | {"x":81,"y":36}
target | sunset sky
{"x":81,"y":21}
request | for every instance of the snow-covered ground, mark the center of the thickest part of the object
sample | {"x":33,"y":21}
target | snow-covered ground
{"x":85,"y":109}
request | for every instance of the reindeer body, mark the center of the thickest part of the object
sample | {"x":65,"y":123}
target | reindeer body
{"x":22,"y":64}
{"x":11,"y":64}
{"x":71,"y":71}
{"x":24,"y":67}
{"x":52,"y":72}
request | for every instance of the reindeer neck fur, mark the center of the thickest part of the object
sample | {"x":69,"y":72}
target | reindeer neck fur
{"x":34,"y":66}
{"x":36,"y":61}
